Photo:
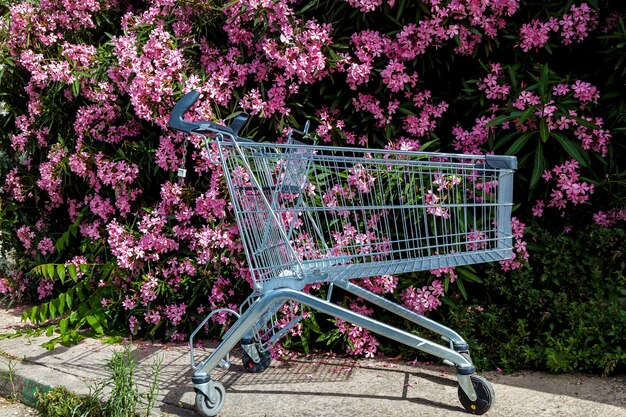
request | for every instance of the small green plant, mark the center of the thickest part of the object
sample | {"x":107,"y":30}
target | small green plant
{"x":59,"y":402}
{"x":123,"y":399}
{"x":10,"y":376}
{"x":153,"y":390}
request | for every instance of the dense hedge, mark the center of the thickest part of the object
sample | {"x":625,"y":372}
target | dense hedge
{"x":564,"y":312}
{"x":97,"y":227}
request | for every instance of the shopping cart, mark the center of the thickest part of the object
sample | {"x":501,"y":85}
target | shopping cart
{"x":317,"y":214}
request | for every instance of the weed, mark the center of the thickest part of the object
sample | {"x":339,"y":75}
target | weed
{"x":59,"y":402}
{"x":153,"y":391}
{"x":123,"y":399}
{"x":11,"y":378}
{"x":124,"y":396}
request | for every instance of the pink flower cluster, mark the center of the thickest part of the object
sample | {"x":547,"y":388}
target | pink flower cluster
{"x":383,"y":284}
{"x":371,"y":49}
{"x":471,"y":141}
{"x":423,"y":299}
{"x":361,"y":341}
{"x":520,"y":252}
{"x":568,"y":188}
{"x":491,"y":86}
{"x":557,"y":112}
{"x":609,"y":218}
{"x":573,"y":26}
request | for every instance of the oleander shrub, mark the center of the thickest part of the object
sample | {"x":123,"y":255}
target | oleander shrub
{"x":98,"y":230}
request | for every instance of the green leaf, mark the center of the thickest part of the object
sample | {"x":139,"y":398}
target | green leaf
{"x":61,"y":272}
{"x":75,"y":87}
{"x":538,"y":167}
{"x":500,"y":142}
{"x":499,"y":120}
{"x":95,"y":324}
{"x":459,"y":283}
{"x":572,"y":149}
{"x":49,"y":268}
{"x":69,"y":298}
{"x":72,"y":271}
{"x":544,"y":132}
{"x":63,"y":325}
{"x":79,"y":293}
{"x":43,"y":312}
{"x":61,"y":305}
{"x":519,"y":144}
{"x":466,"y":273}
{"x":543,"y":83}
{"x":54,"y":307}
{"x":526,"y":114}
{"x":32,"y":314}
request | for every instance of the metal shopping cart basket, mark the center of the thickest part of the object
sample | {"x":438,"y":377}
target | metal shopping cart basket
{"x":316,"y":214}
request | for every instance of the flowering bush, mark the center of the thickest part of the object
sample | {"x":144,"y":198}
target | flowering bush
{"x":108,"y":237}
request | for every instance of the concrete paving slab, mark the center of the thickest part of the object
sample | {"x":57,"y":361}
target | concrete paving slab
{"x":306,"y":386}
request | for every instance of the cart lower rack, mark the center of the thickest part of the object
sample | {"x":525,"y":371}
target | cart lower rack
{"x":315,"y":214}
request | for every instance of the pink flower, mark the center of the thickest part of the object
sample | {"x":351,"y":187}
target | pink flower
{"x":132,"y":325}
{"x":358,"y":74}
{"x":153,"y":317}
{"x":585,"y":92}
{"x":538,"y":208}
{"x":365,"y":6}
{"x":534,"y":35}
{"x":394,"y":76}
{"x":520,"y":254}
{"x":128,"y":303}
{"x":560,"y":89}
{"x":424,"y":299}
{"x":26,"y":236}
{"x":175,"y":312}
{"x":46,"y":246}
{"x":45,"y":288}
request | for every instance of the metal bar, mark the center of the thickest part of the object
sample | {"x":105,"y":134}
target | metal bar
{"x":280,"y":296}
{"x":418,"y":319}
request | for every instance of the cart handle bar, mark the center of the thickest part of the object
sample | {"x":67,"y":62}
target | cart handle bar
{"x":178,"y":122}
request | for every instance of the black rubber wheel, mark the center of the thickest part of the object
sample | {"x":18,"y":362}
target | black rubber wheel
{"x":485,"y":393}
{"x":207,"y":408}
{"x":254,"y":367}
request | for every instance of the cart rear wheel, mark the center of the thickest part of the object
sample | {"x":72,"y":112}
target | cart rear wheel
{"x":253,"y":367}
{"x":485,"y":393}
{"x":207,"y":408}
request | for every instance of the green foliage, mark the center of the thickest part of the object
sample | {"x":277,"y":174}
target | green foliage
{"x":59,"y":402}
{"x":78,"y":307}
{"x":123,"y":400}
{"x":561,"y":313}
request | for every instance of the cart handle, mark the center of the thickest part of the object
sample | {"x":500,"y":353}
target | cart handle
{"x":178,"y":122}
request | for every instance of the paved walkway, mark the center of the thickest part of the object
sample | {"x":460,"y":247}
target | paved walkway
{"x":10,"y":408}
{"x":312,"y":386}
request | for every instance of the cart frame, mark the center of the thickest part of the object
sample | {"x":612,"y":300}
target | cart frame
{"x":280,"y":274}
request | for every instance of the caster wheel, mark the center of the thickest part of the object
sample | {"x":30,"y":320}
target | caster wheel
{"x":485,"y":393}
{"x":207,"y":408}
{"x":253,"y":367}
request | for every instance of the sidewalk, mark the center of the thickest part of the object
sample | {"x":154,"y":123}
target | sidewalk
{"x":317,"y":386}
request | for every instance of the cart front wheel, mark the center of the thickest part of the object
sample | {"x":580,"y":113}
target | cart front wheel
{"x":485,"y":396}
{"x":207,"y":407}
{"x":254,"y":367}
